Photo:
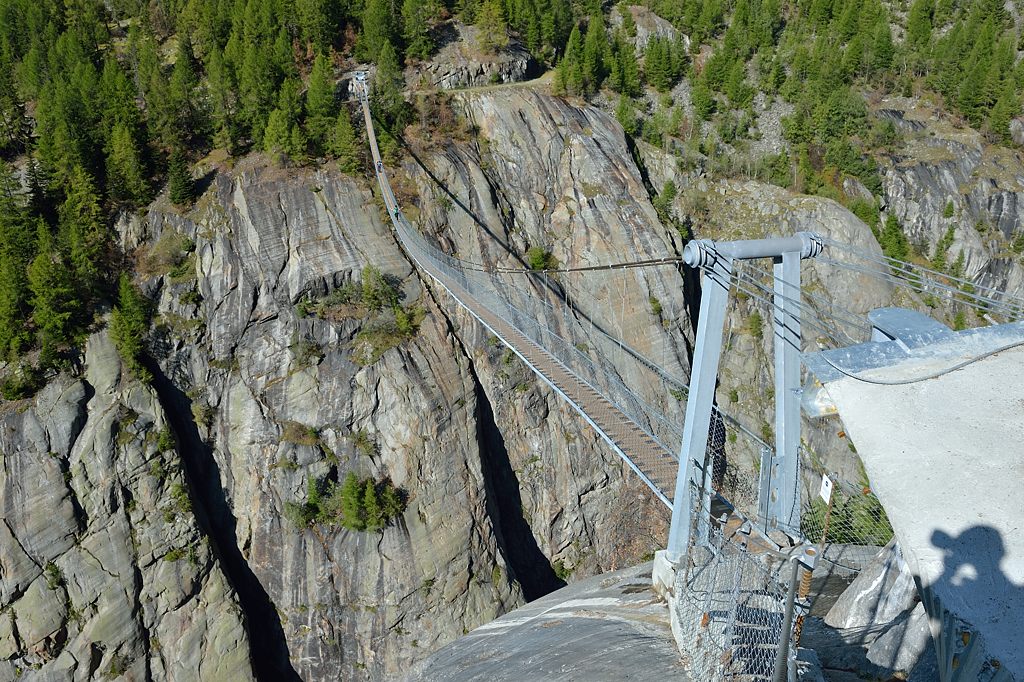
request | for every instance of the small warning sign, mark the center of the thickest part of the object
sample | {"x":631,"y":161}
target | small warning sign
{"x":826,"y":488}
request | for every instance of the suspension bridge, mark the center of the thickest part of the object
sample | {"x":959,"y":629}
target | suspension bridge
{"x":726,"y":556}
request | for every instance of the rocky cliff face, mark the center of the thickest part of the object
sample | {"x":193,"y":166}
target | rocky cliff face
{"x":945,"y":179}
{"x":105,"y":566}
{"x":162,"y":510}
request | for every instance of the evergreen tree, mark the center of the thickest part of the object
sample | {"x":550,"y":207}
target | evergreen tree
{"x":379,"y":29}
{"x":1005,"y":109}
{"x":624,"y":72}
{"x":882,"y":49}
{"x":56,"y":301}
{"x":316,"y":19}
{"x":386,"y":89}
{"x":345,"y":146}
{"x":17,"y":248}
{"x":392,"y":504}
{"x":221,"y":87}
{"x":416,"y":16}
{"x":372,"y":511}
{"x":181,"y":186}
{"x":971,"y":97}
{"x":919,"y":23}
{"x":595,"y":47}
{"x":128,"y":325}
{"x":320,"y":104}
{"x":257,"y":82}
{"x":277,"y":136}
{"x":893,"y":241}
{"x":493,"y":31}
{"x":663,"y":64}
{"x":126,"y":172}
{"x":625,"y":114}
{"x":352,"y":503}
{"x":736,"y":89}
{"x":570,"y":70}
{"x":83,"y":231}
{"x":702,"y":99}
{"x":182,"y":89}
{"x":14,"y":124}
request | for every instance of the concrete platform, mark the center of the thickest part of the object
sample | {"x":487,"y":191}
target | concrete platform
{"x":945,"y":456}
{"x":611,"y":627}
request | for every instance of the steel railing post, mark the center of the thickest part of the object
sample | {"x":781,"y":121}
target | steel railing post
{"x":703,"y":377}
{"x":779,"y":490}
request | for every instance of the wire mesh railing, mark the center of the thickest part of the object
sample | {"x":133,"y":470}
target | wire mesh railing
{"x":730,"y":609}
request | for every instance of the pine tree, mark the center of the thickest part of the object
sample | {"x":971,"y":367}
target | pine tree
{"x":971,"y":95}
{"x":345,"y":146}
{"x":493,"y":31}
{"x":571,"y":67}
{"x":315,"y":19}
{"x":221,"y":88}
{"x":15,"y":127}
{"x":386,"y":89}
{"x":126,"y":173}
{"x":379,"y":29}
{"x":882,"y":49}
{"x":416,"y":15}
{"x":702,"y":99}
{"x":276,"y":136}
{"x":55,"y":299}
{"x":659,"y":68}
{"x":83,"y":231}
{"x":17,"y":248}
{"x":392,"y":504}
{"x":320,"y":103}
{"x":372,"y":507}
{"x":184,"y":81}
{"x":181,"y":186}
{"x":893,"y":241}
{"x":919,"y":23}
{"x":595,"y":47}
{"x":1005,"y":109}
{"x":625,"y":114}
{"x":257,"y":82}
{"x":129,"y":323}
{"x":352,"y":503}
{"x":736,"y":88}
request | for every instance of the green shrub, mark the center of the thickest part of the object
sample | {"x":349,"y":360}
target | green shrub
{"x":357,"y":504}
{"x":300,"y":434}
{"x":540,"y":259}
{"x":756,"y":325}
{"x":54,"y":576}
{"x":655,"y":305}
{"x":164,"y":255}
{"x":949,"y":210}
{"x":181,"y":498}
{"x":857,"y":518}
{"x":381,"y":335}
{"x":23,"y":382}
{"x":165,"y":440}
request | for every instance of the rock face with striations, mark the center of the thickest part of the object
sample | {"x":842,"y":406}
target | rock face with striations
{"x":104,"y":568}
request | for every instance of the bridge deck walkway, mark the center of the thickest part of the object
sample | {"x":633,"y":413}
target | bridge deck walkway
{"x":643,"y":454}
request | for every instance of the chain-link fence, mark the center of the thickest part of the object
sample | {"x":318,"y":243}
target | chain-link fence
{"x":852,"y":527}
{"x":730,"y":608}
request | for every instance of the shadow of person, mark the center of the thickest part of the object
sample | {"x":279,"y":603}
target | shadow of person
{"x":974,"y":587}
